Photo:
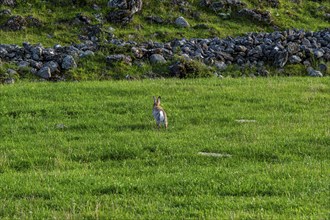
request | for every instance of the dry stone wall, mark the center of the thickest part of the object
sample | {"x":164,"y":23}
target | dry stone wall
{"x":254,"y":49}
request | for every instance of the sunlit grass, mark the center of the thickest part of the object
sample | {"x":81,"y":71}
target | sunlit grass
{"x":92,"y":150}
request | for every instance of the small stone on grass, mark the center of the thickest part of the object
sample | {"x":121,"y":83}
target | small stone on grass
{"x":245,"y":121}
{"x":210,"y":154}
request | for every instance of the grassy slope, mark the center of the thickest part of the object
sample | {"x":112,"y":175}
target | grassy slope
{"x":91,"y":149}
{"x":108,"y":161}
{"x":307,"y":15}
{"x":59,"y":28}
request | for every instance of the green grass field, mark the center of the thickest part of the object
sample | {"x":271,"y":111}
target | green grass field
{"x":91,"y":150}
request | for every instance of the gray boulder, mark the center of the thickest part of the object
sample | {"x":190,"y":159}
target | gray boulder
{"x":292,"y":47}
{"x":36,"y":64}
{"x":323,"y":68}
{"x":281,"y":58}
{"x":318,"y":54}
{"x":9,"y":81}
{"x":220,"y":65}
{"x":119,"y":58}
{"x":137,"y":52}
{"x":86,"y":53}
{"x":44,"y":72}
{"x":23,"y":64}
{"x":37,"y":53}
{"x":157,"y":58}
{"x":314,"y":73}
{"x":294,"y":59}
{"x":182,"y":22}
{"x":135,"y":6}
{"x":122,"y":4}
{"x":11,"y":72}
{"x":123,"y":10}
{"x":33,"y":71}
{"x":3,"y":52}
{"x":68,"y":62}
{"x":52,"y":65}
{"x":48,"y":54}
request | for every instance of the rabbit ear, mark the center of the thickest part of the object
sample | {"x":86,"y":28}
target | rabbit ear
{"x":154,"y":99}
{"x":158,"y":100}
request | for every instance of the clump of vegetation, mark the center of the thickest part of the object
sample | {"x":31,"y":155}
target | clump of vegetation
{"x":186,"y":68}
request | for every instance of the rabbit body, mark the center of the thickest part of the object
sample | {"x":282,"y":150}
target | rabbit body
{"x":159,"y":113}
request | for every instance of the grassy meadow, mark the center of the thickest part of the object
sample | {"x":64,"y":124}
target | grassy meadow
{"x":91,"y":150}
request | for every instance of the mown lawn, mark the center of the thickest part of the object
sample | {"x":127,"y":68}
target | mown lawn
{"x":91,"y":150}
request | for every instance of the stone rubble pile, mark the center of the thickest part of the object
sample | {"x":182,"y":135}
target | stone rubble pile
{"x":8,"y":2}
{"x":223,"y":4}
{"x":277,"y":48}
{"x":17,"y":22}
{"x":123,"y":10}
{"x":254,"y":49}
{"x":256,"y":15}
{"x":46,"y":63}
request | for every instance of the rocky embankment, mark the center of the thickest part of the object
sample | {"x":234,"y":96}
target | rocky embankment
{"x":253,"y":49}
{"x":47,"y":63}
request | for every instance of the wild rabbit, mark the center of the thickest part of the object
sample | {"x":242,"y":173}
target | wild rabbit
{"x":159,"y":113}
